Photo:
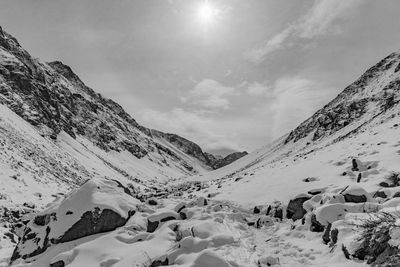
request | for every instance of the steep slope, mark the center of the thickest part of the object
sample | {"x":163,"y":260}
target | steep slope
{"x":361,"y":123}
{"x":52,"y":98}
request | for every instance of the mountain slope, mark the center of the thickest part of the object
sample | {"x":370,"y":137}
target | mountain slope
{"x":361,"y":123}
{"x":52,"y":98}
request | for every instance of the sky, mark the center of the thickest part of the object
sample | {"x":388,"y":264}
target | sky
{"x":236,"y":80}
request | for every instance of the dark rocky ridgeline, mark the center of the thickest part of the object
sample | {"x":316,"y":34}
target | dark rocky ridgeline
{"x":53,"y":98}
{"x":217,"y":162}
{"x":194,"y":150}
{"x":351,"y":104}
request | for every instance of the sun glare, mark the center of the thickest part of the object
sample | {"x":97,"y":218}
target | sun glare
{"x":207,"y":13}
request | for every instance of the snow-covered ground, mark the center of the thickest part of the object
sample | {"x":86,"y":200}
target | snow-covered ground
{"x":318,"y":196}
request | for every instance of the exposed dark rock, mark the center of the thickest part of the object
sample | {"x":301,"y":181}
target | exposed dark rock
{"x":314,"y":192}
{"x":57,"y":264}
{"x":42,"y":220}
{"x":157,"y":263}
{"x":354,"y":198}
{"x":295,"y":210}
{"x":334,"y":236}
{"x":326,"y":236}
{"x":345,"y":252}
{"x":152,"y":202}
{"x":349,"y":106}
{"x":39,"y":250}
{"x":94,"y":222}
{"x":359,"y":178}
{"x":354,"y":164}
{"x":316,"y":226}
{"x":380,"y":194}
{"x":256,"y":210}
{"x":152,"y":226}
{"x":384,"y":184}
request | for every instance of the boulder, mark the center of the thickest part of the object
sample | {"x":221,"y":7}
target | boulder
{"x":380,"y":194}
{"x":355,"y":198}
{"x":163,"y":215}
{"x":316,"y":226}
{"x":356,"y":194}
{"x":99,"y":205}
{"x":295,"y":210}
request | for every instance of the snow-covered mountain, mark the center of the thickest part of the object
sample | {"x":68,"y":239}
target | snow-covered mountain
{"x":362,"y":122}
{"x":325,"y":194}
{"x":93,"y":132}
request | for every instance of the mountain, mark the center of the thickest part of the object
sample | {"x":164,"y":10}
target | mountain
{"x":83,"y":184}
{"x":53,"y":99}
{"x":56,"y":133}
{"x":362,"y":122}
{"x":217,"y":162}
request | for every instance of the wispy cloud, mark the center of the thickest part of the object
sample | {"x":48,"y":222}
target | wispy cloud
{"x":294,"y":100}
{"x":318,"y":21}
{"x":257,"y":89}
{"x":210,"y":94}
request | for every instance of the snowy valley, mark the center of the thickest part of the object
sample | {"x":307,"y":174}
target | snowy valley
{"x":83,"y":184}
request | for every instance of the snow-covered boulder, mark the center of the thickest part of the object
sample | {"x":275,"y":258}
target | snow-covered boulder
{"x":163,"y":215}
{"x":330,"y":213}
{"x":357,"y":194}
{"x":99,"y":205}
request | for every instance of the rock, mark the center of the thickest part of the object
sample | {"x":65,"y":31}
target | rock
{"x":94,"y":222}
{"x":157,"y":263}
{"x":256,"y":210}
{"x":317,"y":191}
{"x":57,"y":264}
{"x":356,"y":194}
{"x":354,"y":165}
{"x":326,"y":236}
{"x":397,"y":194}
{"x":310,"y":179}
{"x":384,"y":184}
{"x":268,"y":261}
{"x":152,"y":202}
{"x":380,"y":194}
{"x":264,"y":221}
{"x":359,"y":178}
{"x":163,"y":215}
{"x":316,"y":226}
{"x":99,"y":205}
{"x":334,"y":236}
{"x":29,"y":205}
{"x":152,"y":226}
{"x":275,"y":210}
{"x":355,"y":198}
{"x":345,"y":252}
{"x":295,"y":210}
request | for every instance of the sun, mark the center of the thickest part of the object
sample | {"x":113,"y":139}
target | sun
{"x":207,"y":13}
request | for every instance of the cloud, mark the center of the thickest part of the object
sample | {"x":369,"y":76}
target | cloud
{"x":257,"y":89}
{"x":195,"y":126}
{"x":294,"y":100}
{"x":210,"y":94}
{"x":318,"y":21}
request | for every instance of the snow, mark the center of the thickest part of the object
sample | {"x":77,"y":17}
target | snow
{"x":203,"y":220}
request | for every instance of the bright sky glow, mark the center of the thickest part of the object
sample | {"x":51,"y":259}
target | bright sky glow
{"x":207,"y":13}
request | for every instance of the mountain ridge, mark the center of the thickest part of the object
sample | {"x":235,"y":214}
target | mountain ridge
{"x":53,"y":98}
